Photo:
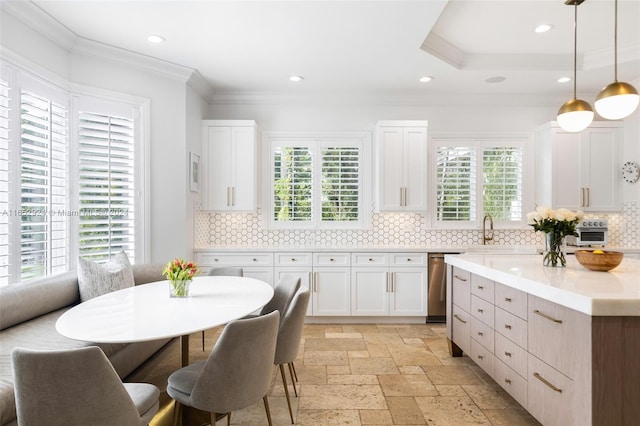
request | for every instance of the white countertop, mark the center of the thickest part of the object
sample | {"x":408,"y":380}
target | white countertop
{"x":613,"y":293}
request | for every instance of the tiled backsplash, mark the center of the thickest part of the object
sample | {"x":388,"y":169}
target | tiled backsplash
{"x":387,"y":230}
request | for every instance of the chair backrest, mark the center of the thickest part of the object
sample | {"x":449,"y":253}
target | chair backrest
{"x":70,"y":388}
{"x":291,"y":325}
{"x":283,"y":292}
{"x":238,"y":371}
{"x":228,"y":271}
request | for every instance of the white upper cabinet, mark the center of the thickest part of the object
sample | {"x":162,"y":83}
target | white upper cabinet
{"x":230,"y":165}
{"x":401,"y":149}
{"x":579,"y":171}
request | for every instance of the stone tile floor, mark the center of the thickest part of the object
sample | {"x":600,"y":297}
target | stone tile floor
{"x":367,"y":374}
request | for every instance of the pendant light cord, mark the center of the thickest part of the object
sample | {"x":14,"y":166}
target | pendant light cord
{"x":575,"y":48}
{"x":615,"y":43}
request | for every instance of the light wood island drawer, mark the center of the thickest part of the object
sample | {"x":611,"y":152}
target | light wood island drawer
{"x":550,"y":396}
{"x":511,"y":300}
{"x":512,"y":382}
{"x":511,"y":354}
{"x":512,"y":327}
{"x":461,"y":282}
{"x":482,"y":287}
{"x":482,"y":310}
{"x":482,"y":356}
{"x":461,"y":328}
{"x":482,"y":333}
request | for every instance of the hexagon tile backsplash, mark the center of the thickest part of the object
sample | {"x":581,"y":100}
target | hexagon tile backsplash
{"x":213,"y":229}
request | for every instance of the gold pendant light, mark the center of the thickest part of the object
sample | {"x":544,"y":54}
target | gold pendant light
{"x":617,"y":100}
{"x":576,"y":114}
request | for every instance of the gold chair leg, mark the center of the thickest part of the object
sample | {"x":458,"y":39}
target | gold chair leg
{"x":293,"y":382}
{"x":266,"y":408}
{"x":202,"y":340}
{"x":293,"y":367}
{"x":229,"y":419}
{"x":286,"y":390}
{"x":213,"y":419}
{"x":176,"y":413}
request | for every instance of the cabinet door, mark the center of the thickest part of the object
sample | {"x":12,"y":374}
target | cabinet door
{"x":566,"y":184}
{"x":217,"y":151}
{"x":415,"y":162}
{"x":601,"y":177}
{"x":243,"y":163}
{"x":408,"y":295}
{"x":263,"y":274}
{"x":390,"y":168}
{"x":331,"y":291}
{"x":370,"y":291}
{"x":305,"y":279}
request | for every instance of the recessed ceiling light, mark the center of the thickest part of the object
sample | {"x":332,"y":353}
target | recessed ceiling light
{"x":296,"y":78}
{"x":564,"y":79}
{"x":543,"y":28}
{"x":496,"y":79}
{"x":154,"y":38}
{"x":426,"y":79}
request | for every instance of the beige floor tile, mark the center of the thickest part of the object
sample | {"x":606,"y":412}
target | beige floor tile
{"x":451,"y":411}
{"x":375,"y":417}
{"x":514,"y":416}
{"x":412,"y":341}
{"x":352,"y":379}
{"x":360,"y":328}
{"x":410,"y":369}
{"x":378,"y":350}
{"x":358,"y":354}
{"x":338,"y":369}
{"x":451,"y":375}
{"x":353,"y":335}
{"x":412,"y":355}
{"x":311,"y":374}
{"x":450,"y":390}
{"x":373,"y":366}
{"x":489,"y":397}
{"x":328,"y":417}
{"x":416,"y":332}
{"x":405,"y":411}
{"x":341,"y":397}
{"x":347,"y":344}
{"x":383,"y":337}
{"x":406,"y":385}
{"x":326,"y":358}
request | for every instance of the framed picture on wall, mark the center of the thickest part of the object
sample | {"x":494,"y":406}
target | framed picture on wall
{"x":194,"y":172}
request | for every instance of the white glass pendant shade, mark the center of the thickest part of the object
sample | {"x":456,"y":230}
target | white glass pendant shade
{"x":617,"y":101}
{"x":575,"y":115}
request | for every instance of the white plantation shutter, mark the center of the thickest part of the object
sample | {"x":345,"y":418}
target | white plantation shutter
{"x":106,"y":163}
{"x":5,"y":96}
{"x":340,"y":183}
{"x":44,"y":190}
{"x":292,"y":183}
{"x":456,"y":183}
{"x":502,"y":182}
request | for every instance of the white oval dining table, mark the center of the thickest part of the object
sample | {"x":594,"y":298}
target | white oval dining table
{"x":147,"y":312}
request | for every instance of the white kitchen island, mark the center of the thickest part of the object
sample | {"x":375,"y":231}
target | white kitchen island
{"x":564,"y":342}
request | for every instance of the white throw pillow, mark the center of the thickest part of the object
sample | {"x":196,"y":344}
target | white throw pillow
{"x":96,"y":279}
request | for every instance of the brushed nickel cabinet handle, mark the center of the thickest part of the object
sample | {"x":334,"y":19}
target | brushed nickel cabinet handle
{"x":507,"y":326}
{"x":508,"y":354}
{"x":581,"y":197}
{"x":459,"y":319}
{"x":507,"y":381}
{"x":254,"y":259}
{"x":233,"y":196}
{"x":370,"y":260}
{"x":507,"y":299}
{"x":387,"y":281}
{"x":480,"y":357}
{"x":588,"y":197}
{"x":401,"y":197}
{"x":480,"y":287}
{"x":459,"y":277}
{"x":480,"y":310}
{"x":228,"y":196}
{"x":546,"y":382}
{"x":480,"y":333}
{"x":543,"y":315}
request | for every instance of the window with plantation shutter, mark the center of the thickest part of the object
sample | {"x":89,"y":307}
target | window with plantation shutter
{"x":317,"y":181}
{"x":475,"y":177}
{"x":5,"y":96}
{"x":106,"y":172}
{"x":44,"y":185}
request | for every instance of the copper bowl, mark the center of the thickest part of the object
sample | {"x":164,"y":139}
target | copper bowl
{"x":604,"y":261}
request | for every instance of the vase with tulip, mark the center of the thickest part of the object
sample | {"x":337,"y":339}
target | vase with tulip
{"x":556,"y":224}
{"x":179,"y":273}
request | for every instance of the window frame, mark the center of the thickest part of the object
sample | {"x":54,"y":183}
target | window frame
{"x":316,"y":140}
{"x":481,"y":141}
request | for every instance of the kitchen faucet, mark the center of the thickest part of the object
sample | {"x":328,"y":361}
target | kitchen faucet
{"x":485,"y":237}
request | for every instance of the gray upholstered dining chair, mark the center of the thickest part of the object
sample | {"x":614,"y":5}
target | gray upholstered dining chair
{"x":77,"y":387}
{"x":237,"y":372}
{"x":289,"y":336}
{"x":283,"y":293}
{"x":227,"y":271}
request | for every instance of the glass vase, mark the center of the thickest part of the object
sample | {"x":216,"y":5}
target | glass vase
{"x":179,"y":288}
{"x":554,"y":255}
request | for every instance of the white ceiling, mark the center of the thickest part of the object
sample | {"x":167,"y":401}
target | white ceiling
{"x":353,"y":48}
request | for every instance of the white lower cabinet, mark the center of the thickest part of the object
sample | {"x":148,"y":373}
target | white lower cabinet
{"x":388,"y":284}
{"x":258,"y":265}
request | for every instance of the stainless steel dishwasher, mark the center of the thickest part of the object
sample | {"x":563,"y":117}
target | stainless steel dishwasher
{"x":437,"y":288}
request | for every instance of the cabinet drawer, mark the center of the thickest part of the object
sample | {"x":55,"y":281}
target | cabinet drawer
{"x":556,"y":334}
{"x":331,"y":259}
{"x":461,"y":283}
{"x":293,"y":259}
{"x":511,"y":354}
{"x":482,"y":310}
{"x":370,"y":259}
{"x":461,"y":328}
{"x":512,"y":327}
{"x":234,"y":259}
{"x":510,"y":381}
{"x":550,"y":395}
{"x":482,"y":356}
{"x":482,"y":333}
{"x":482,"y":287}
{"x":408,"y":259}
{"x":511,"y":300}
